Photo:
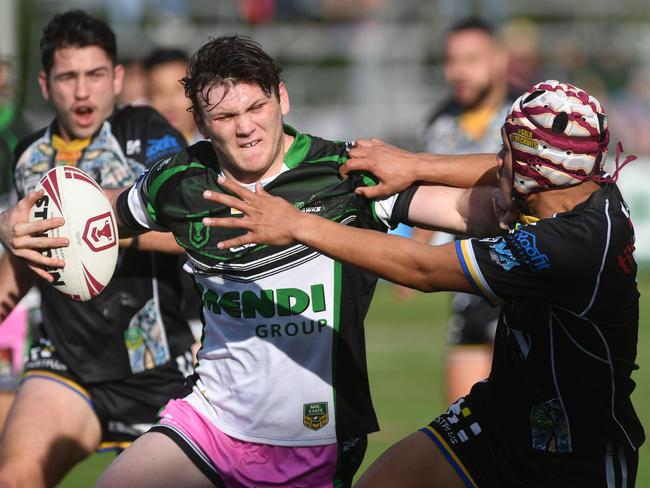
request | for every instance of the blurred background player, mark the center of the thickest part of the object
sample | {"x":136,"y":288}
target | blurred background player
{"x":134,"y":84}
{"x":469,"y":121}
{"x":13,"y":323}
{"x":99,"y":371}
{"x":164,"y":68}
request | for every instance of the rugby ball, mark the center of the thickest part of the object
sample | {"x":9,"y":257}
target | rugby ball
{"x":90,"y":227}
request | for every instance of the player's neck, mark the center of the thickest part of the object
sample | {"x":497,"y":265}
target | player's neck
{"x":548,"y":203}
{"x":492,"y":99}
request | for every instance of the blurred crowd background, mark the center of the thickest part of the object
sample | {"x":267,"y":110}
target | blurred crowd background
{"x":360,"y":68}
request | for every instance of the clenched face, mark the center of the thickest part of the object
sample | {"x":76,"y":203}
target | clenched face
{"x":245,"y":127}
{"x":83,"y":86}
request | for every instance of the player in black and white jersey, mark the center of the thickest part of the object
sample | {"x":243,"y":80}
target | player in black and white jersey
{"x":556,"y":408}
{"x":98,"y":371}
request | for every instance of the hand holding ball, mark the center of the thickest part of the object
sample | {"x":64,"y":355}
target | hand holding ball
{"x":90,"y":227}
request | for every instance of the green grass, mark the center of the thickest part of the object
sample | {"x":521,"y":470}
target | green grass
{"x":405,"y":343}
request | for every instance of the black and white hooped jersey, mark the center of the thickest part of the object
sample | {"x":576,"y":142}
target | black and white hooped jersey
{"x":282,"y":360}
{"x":566,"y":342}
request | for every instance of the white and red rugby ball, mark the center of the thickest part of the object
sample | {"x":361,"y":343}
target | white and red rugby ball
{"x":90,"y":227}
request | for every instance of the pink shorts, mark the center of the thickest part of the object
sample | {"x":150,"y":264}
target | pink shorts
{"x":13,"y":334}
{"x":230,"y":462}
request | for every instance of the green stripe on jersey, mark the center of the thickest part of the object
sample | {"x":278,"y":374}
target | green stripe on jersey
{"x":160,"y":180}
{"x":299,"y":147}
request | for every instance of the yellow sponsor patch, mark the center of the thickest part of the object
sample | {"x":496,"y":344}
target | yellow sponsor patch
{"x":525,"y":138}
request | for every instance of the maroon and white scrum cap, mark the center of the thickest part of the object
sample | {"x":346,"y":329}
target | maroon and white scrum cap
{"x":558,"y":135}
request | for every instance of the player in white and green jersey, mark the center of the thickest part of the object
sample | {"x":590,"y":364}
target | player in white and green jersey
{"x":282,"y":369}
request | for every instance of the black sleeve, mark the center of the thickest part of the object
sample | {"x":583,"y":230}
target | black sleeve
{"x":400,"y":212}
{"x":124,"y":214}
{"x":544,"y":262}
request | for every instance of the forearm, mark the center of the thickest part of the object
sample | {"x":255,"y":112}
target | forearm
{"x":15,"y":281}
{"x":397,"y":259}
{"x":455,"y":210}
{"x":153,"y":241}
{"x":461,"y":170}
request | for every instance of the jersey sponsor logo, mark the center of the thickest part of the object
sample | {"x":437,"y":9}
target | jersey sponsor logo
{"x":198,"y":234}
{"x":502,"y":256}
{"x":458,"y":424}
{"x":315,"y":415}
{"x":290,"y":329}
{"x":625,"y":260}
{"x":301,"y":206}
{"x":527,"y":243}
{"x":133,"y":147}
{"x":248,"y":304}
{"x":157,"y":148}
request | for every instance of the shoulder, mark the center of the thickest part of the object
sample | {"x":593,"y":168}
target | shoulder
{"x":130,"y":115}
{"x":145,"y":133}
{"x":309,"y":149}
{"x":199,"y":156}
{"x":24,"y":144}
{"x":322,"y":149}
{"x":447,"y":108}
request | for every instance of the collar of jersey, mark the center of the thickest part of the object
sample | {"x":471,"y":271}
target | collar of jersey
{"x":294,"y":156}
{"x":299,"y":147}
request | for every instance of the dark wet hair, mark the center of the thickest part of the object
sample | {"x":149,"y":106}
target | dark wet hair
{"x":75,"y":28}
{"x":230,"y":59}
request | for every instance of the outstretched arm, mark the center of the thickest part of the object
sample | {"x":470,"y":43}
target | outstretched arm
{"x":272,"y":220}
{"x":141,"y":239}
{"x":397,"y":169}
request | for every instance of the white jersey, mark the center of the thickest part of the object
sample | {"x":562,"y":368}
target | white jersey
{"x":282,"y":359}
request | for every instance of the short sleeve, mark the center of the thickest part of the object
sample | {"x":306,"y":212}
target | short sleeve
{"x":539,"y":262}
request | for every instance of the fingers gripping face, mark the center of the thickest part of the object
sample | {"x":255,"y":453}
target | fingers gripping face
{"x":267,"y":219}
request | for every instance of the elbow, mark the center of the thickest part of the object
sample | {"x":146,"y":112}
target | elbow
{"x":424,"y":281}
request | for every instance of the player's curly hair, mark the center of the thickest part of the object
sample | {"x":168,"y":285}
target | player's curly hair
{"x":75,"y":28}
{"x":226,"y":61}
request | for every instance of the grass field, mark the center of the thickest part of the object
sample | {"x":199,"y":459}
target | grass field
{"x":405,"y":342}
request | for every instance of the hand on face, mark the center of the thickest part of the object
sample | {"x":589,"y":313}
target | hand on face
{"x":268,"y":219}
{"x":25,"y":239}
{"x":390,"y":165}
{"x":505,"y":209}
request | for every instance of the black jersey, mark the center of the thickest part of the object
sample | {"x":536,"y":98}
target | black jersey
{"x":135,"y":323}
{"x":566,"y":341}
{"x":283,"y":357}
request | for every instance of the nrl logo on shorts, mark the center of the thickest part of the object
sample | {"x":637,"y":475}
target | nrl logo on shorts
{"x":199,"y":234}
{"x":315,"y":415}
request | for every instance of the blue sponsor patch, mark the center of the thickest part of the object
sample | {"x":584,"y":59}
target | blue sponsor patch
{"x":503,"y":256}
{"x":165,"y":146}
{"x":526,"y":244}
